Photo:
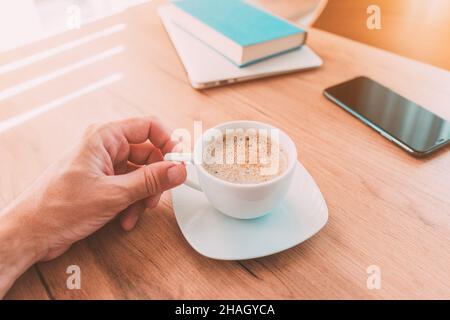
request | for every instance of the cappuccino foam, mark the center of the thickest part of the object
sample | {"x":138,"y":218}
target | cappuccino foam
{"x":245,"y":157}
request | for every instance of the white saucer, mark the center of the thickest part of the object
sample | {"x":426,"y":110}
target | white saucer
{"x":301,"y":215}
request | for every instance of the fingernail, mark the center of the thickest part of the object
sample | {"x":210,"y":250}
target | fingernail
{"x":175,"y":174}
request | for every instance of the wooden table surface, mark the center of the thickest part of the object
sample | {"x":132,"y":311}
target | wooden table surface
{"x":385,"y":207}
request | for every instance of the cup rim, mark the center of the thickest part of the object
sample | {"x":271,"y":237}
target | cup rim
{"x":223,"y":125}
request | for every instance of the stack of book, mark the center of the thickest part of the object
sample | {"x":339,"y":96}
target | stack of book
{"x":239,"y":31}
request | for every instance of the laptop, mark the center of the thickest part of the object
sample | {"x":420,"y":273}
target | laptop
{"x":207,"y":68}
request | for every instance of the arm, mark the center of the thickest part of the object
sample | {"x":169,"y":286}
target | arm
{"x":19,"y":248}
{"x":116,"y":169}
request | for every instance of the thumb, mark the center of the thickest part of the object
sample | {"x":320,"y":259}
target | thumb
{"x":152,"y":179}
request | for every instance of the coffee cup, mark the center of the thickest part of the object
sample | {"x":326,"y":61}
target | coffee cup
{"x":238,"y":200}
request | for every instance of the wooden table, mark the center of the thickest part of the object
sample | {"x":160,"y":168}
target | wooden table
{"x":385,"y":207}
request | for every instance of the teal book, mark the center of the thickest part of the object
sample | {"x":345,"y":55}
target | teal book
{"x":238,"y":30}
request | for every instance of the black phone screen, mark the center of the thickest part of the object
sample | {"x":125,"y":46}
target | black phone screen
{"x":388,"y":112}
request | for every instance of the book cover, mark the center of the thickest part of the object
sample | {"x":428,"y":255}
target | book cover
{"x":237,"y":29}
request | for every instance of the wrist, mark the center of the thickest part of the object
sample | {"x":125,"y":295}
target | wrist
{"x":20,"y":244}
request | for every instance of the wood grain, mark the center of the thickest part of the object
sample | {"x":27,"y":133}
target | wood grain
{"x":29,"y":286}
{"x":386,"y":208}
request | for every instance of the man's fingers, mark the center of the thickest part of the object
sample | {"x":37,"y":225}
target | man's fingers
{"x":139,"y":130}
{"x":131,"y":167}
{"x":152,"y":201}
{"x":131,"y":215}
{"x":144,"y":153}
{"x":152,"y":179}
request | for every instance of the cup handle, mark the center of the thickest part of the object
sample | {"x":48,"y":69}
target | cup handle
{"x":186,"y":158}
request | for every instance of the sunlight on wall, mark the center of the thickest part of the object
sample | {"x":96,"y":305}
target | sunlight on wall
{"x":413,"y":28}
{"x":26,"y":21}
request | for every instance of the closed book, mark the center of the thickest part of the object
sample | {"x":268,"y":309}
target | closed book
{"x":236,"y":29}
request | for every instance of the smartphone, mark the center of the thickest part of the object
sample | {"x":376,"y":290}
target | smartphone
{"x":407,"y":124}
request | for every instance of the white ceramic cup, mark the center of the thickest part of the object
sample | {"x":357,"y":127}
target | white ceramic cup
{"x":242,"y":201}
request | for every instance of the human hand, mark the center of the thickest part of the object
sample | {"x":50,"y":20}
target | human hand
{"x":116,"y":169}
